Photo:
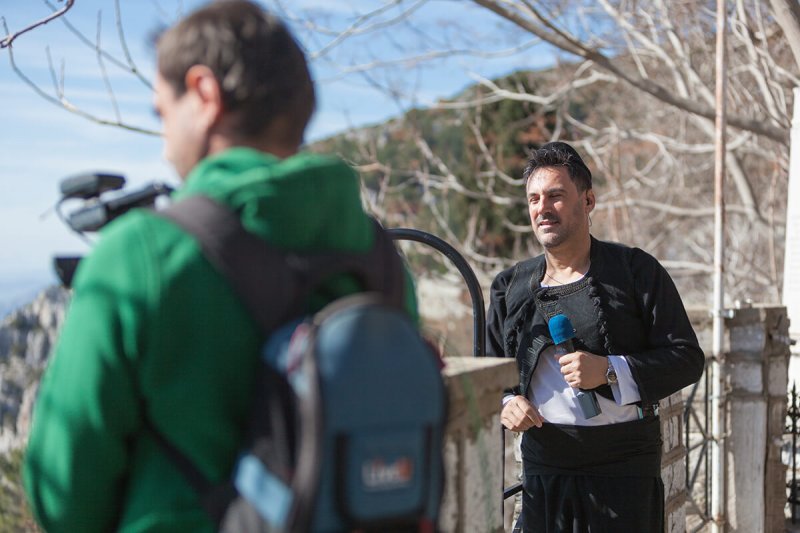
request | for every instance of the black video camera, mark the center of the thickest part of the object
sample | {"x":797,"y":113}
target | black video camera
{"x":100,"y":204}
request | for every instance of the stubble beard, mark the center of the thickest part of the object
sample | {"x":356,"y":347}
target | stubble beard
{"x":552,"y":239}
{"x":551,"y":236}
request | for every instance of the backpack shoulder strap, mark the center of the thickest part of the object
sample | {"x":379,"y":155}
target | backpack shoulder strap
{"x":262,"y":273}
{"x":242,"y":258}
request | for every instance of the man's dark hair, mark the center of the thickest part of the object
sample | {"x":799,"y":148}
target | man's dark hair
{"x":260,"y":68}
{"x":560,"y":154}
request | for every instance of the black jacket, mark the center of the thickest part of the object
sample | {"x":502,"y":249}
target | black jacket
{"x":634,"y":310}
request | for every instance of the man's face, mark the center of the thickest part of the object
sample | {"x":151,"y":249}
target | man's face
{"x":559,"y":213}
{"x":185,"y":140}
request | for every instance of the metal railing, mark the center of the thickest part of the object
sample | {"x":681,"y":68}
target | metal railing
{"x":793,"y":416}
{"x":697,"y":436}
{"x":474,"y":287}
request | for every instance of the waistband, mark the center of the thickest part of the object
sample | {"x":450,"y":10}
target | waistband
{"x":628,"y":449}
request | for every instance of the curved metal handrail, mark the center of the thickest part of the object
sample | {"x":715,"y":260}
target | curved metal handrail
{"x":475,"y":292}
{"x":478,"y":306}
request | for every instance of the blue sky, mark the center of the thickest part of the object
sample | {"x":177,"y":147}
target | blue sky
{"x":41,"y":143}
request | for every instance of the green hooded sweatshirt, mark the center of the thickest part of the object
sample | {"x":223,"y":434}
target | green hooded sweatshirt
{"x":152,"y":330}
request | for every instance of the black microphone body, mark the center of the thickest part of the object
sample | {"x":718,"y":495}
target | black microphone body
{"x":565,"y":347}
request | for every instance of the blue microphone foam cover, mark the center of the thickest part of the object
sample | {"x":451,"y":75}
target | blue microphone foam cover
{"x":560,"y":329}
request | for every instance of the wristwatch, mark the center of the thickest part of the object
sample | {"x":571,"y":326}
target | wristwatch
{"x":611,"y":374}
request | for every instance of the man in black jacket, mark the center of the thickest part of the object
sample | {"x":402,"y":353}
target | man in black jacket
{"x":634,"y":345}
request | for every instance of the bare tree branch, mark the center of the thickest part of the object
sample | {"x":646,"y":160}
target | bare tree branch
{"x":62,"y":102}
{"x":9,"y":38}
{"x":104,"y":72}
{"x":676,"y":210}
{"x":124,"y":44}
{"x":570,"y":45}
{"x":127,"y":65}
{"x":787,"y":14}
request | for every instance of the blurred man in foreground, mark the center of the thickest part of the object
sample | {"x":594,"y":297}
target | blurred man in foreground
{"x":154,"y":336}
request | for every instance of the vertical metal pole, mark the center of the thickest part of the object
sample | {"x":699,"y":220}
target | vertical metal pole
{"x":791,"y":261}
{"x":707,"y":458}
{"x":793,"y":416}
{"x":718,"y":402}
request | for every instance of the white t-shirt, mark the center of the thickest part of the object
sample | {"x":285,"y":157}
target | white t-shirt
{"x":556,"y":400}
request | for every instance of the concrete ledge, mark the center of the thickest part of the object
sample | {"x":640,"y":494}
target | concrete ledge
{"x":475,"y":387}
{"x":473,"y":493}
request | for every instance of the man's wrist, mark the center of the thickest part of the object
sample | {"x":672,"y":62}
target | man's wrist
{"x":611,"y":374}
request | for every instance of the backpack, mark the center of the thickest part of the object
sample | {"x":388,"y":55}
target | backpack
{"x":347,"y":422}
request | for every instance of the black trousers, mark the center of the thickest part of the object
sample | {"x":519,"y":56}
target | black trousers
{"x":593,"y":479}
{"x":591,"y":504}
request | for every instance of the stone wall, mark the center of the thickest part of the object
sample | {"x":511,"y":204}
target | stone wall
{"x":756,"y":365}
{"x":473,"y":444}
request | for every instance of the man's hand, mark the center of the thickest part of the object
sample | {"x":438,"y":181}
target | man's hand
{"x":584,"y":370}
{"x":520,"y":415}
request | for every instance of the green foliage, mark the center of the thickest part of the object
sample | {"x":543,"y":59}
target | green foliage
{"x":456,"y":170}
{"x":14,"y":513}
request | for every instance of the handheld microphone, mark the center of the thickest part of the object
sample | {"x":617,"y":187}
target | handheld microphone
{"x":562,"y":333}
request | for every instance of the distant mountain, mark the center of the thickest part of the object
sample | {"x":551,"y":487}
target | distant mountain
{"x":27,"y":336}
{"x":14,"y":293}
